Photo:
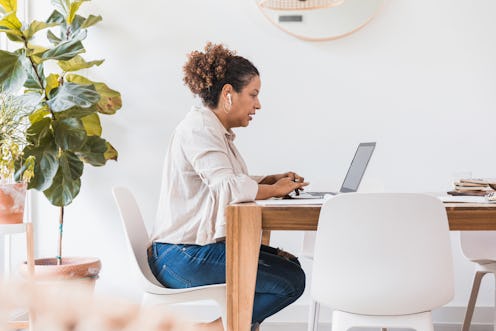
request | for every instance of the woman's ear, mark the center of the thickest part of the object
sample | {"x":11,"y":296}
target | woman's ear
{"x":227,"y":91}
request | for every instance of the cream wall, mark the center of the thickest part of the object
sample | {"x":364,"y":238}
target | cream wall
{"x":420,"y":80}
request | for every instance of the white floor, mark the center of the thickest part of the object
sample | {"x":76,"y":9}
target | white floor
{"x":327,"y":327}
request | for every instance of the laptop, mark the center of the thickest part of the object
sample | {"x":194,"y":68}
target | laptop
{"x":353,"y":176}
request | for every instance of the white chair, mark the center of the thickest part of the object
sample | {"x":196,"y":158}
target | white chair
{"x":369,"y":185}
{"x":382,"y":260}
{"x":138,"y":239}
{"x":22,"y":321}
{"x":480,"y":248}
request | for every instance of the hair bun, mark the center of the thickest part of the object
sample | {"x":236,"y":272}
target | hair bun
{"x":204,"y":69}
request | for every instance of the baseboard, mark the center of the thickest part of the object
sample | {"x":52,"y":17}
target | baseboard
{"x":444,"y":318}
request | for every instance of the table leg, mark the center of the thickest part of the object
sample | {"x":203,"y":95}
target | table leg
{"x":244,"y":226}
{"x":266,"y":237}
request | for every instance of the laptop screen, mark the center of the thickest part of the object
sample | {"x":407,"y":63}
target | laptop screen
{"x":357,"y":167}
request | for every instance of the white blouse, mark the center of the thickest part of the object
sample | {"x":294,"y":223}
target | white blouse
{"x":203,"y":173}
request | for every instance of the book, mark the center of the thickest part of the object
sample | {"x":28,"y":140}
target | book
{"x":471,"y":193}
{"x":467,"y":184}
{"x":472,"y":188}
{"x":481,"y":181}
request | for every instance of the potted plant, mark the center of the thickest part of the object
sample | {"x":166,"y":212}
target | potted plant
{"x":13,"y":124}
{"x":64,"y":131}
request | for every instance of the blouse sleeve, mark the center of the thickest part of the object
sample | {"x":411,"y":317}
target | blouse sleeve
{"x":208,"y":155}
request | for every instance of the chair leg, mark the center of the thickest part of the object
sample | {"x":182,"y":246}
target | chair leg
{"x":494,"y":312}
{"x":473,"y":298}
{"x":313,"y":316}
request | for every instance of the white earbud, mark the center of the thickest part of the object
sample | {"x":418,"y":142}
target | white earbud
{"x":229,"y":99}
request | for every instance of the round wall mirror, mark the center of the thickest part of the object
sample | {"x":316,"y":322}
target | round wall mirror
{"x":318,"y":20}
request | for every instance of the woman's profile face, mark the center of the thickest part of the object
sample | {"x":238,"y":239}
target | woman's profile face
{"x":245,"y":104}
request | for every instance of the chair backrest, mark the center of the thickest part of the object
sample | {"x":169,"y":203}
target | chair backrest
{"x":478,"y":245}
{"x":135,"y":231}
{"x":383,"y":254}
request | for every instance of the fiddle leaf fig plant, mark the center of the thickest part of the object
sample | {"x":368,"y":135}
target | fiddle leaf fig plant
{"x":64,"y":130}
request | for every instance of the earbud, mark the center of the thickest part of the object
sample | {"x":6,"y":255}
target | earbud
{"x":229,"y":99}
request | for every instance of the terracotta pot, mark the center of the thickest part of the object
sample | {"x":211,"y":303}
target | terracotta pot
{"x":84,"y":269}
{"x":12,"y":197}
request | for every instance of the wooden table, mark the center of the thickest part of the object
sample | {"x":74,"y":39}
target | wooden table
{"x":245,"y":223}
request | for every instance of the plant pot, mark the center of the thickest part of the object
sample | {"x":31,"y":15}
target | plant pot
{"x":12,"y":198}
{"x":85,"y":269}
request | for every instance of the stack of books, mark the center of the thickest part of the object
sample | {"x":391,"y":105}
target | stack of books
{"x":474,"y":186}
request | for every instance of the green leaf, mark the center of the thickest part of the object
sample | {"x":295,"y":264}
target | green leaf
{"x":78,"y":63}
{"x":56,"y":17}
{"x":76,"y":25}
{"x":110,"y":100}
{"x":46,"y":164}
{"x":64,"y":51}
{"x":10,"y":22}
{"x":11,"y":25}
{"x":67,"y":182}
{"x":111,"y":153}
{"x":32,"y":81}
{"x":52,"y":82}
{"x":93,"y":151}
{"x":9,"y":5}
{"x":69,"y":134}
{"x":33,"y":50}
{"x":12,"y":73}
{"x":39,"y":133}
{"x":36,"y":26}
{"x":62,"y":6}
{"x":39,"y":114}
{"x":30,"y":100}
{"x":92,"y":125}
{"x":76,"y":112}
{"x":71,"y":165}
{"x":73,"y":9}
{"x":53,"y":39}
{"x":35,"y":53}
{"x":90,"y":21}
{"x":70,"y":95}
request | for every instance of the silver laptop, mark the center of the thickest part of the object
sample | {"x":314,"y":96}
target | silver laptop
{"x":353,"y":176}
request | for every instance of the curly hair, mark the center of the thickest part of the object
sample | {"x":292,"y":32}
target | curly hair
{"x":206,"y":73}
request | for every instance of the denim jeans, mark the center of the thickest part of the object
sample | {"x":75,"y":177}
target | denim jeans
{"x":280,"y":281}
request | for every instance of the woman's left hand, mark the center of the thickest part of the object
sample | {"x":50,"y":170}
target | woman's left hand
{"x":293,"y":176}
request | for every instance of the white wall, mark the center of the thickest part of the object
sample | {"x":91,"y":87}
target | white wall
{"x":420,"y":80}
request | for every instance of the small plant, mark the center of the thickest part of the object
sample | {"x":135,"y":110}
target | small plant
{"x":13,"y":124}
{"x":64,"y":129}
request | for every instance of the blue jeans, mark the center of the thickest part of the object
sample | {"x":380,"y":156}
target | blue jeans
{"x":280,"y":281}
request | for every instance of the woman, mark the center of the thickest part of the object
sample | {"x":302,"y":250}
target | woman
{"x":203,"y":173}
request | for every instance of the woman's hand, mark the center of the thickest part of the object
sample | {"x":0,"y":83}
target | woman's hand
{"x":272,"y":179}
{"x":280,"y":185}
{"x":288,"y":184}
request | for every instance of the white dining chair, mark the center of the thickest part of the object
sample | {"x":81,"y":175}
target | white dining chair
{"x":382,"y":260}
{"x":480,"y":248}
{"x":137,"y":240}
{"x":369,"y":185}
